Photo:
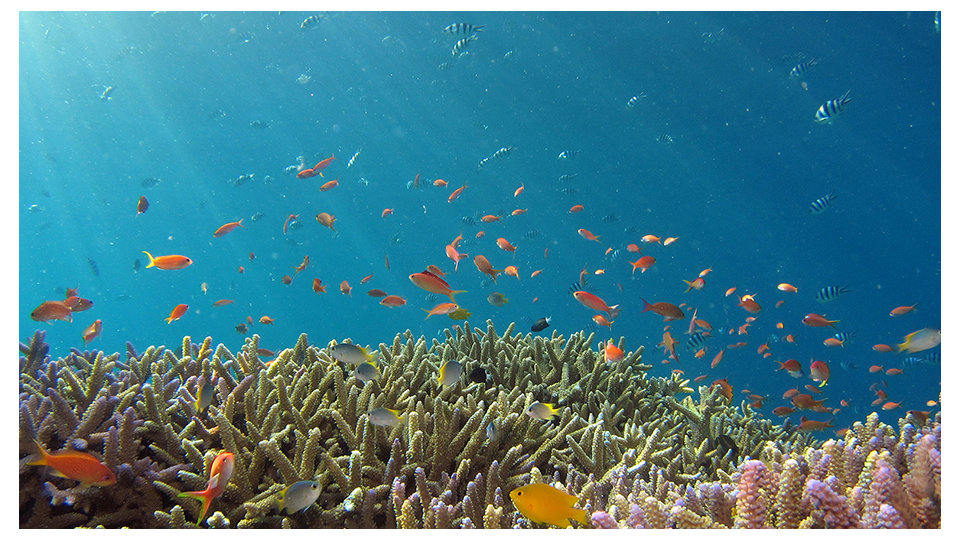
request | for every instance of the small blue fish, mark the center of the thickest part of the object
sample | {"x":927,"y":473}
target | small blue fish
{"x":801,"y":68}
{"x":492,"y":432}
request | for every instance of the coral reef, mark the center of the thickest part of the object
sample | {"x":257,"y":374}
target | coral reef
{"x":638,"y":451}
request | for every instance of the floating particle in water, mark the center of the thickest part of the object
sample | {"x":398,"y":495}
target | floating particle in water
{"x":303,"y":78}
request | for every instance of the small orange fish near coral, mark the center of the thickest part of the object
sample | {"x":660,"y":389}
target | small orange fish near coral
{"x":393,"y":300}
{"x":81,"y":466}
{"x":168,"y":262}
{"x":266,"y":320}
{"x":177,"y":312}
{"x":227,"y":227}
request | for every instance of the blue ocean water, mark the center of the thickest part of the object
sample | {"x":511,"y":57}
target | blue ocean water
{"x":720,"y":150}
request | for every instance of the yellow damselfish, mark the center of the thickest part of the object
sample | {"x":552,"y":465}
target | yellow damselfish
{"x":542,"y":503}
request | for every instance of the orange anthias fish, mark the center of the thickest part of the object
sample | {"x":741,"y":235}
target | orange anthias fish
{"x":435,"y":270}
{"x":345,"y":287}
{"x":227,"y":227}
{"x":612,"y":353}
{"x":319,"y":167}
{"x":433,"y":283}
{"x":670,"y":345}
{"x":505,"y":245}
{"x":542,"y":503}
{"x":576,"y":208}
{"x":306,"y":173}
{"x":748,"y":303}
{"x":813,"y":425}
{"x":177,"y":312}
{"x":902,"y":310}
{"x":52,"y":310}
{"x":490,"y":218}
{"x":786,"y":287}
{"x":366,"y":278}
{"x":512,"y":271}
{"x":518,"y":191}
{"x":669,"y":311}
{"x":393,"y":300}
{"x":649,"y":238}
{"x":820,"y":372}
{"x":376,"y":293}
{"x":81,"y":466}
{"x":600,"y":320}
{"x":792,"y":367}
{"x":456,"y":193}
{"x":588,"y":235}
{"x":454,"y":255}
{"x":289,"y":219}
{"x":445,"y":308}
{"x":386,"y":212}
{"x":643,"y":263}
{"x":717,"y":359}
{"x":813,"y":319}
{"x":695,"y":284}
{"x":484,"y":266}
{"x":224,"y":302}
{"x":440,"y":182}
{"x":92,"y":331}
{"x":168,"y":262}
{"x":593,"y":301}
{"x":220,"y":473}
{"x":303,"y":265}
{"x":266,"y":320}
{"x":327,"y":186}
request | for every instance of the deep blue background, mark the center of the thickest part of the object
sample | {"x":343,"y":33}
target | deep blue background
{"x":735,"y":185}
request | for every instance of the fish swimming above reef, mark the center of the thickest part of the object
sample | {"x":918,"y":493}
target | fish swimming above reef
{"x":541,"y":324}
{"x":542,"y":503}
{"x":81,"y":466}
{"x":348,"y":353}
{"x":220,"y":473}
{"x":298,"y":496}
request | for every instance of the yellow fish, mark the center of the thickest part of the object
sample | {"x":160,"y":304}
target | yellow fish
{"x":459,"y":315}
{"x":542,"y":503}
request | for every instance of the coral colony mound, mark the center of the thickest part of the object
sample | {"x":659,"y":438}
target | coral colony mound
{"x":460,"y":433}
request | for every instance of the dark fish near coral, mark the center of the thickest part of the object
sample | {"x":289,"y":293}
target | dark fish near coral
{"x":727,"y":444}
{"x":541,"y":324}
{"x":205,"y":397}
{"x":478,"y":375}
{"x":241,"y":328}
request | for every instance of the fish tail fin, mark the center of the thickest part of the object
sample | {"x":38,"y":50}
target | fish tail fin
{"x":320,"y":173}
{"x":151,"y":259}
{"x":689,"y":286}
{"x":428,"y":313}
{"x":647,"y":306}
{"x":203,"y":496}
{"x":42,"y":460}
{"x":240,"y":223}
{"x":614,"y":311}
{"x":452,"y":293}
{"x":581,"y":516}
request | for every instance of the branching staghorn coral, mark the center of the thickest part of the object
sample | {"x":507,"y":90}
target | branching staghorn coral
{"x":623,"y":443}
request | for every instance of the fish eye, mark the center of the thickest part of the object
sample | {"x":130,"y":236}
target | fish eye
{"x":519,"y":493}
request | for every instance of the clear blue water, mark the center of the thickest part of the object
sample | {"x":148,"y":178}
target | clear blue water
{"x":734,"y":186}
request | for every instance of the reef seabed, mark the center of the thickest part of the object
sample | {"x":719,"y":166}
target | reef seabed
{"x":638,"y":451}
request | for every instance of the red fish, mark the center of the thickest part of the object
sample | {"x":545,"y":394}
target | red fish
{"x":290,"y":218}
{"x":695,"y":284}
{"x":643,"y":263}
{"x":177,"y":312}
{"x":612,"y":353}
{"x":593,"y":301}
{"x":92,"y":331}
{"x":169,"y":262}
{"x":81,"y":466}
{"x":303,"y":265}
{"x":456,"y":193}
{"x":220,"y":473}
{"x":326,"y":220}
{"x":376,"y":293}
{"x":505,"y":245}
{"x":52,"y":310}
{"x":717,"y":359}
{"x":307,"y":173}
{"x":393,"y":300}
{"x":319,"y":167}
{"x":902,"y":310}
{"x":813,"y":425}
{"x":484,"y":266}
{"x":783,"y":410}
{"x":813,"y":319}
{"x":748,"y":303}
{"x":318,"y":286}
{"x":223,"y":302}
{"x":227,"y":227}
{"x":327,"y":186}
{"x":792,"y":367}
{"x":345,"y":287}
{"x":588,"y":235}
{"x":882,"y":347}
{"x":576,"y":208}
{"x":725,"y":389}
{"x":433,"y":283}
{"x":142,"y":205}
{"x":669,"y":311}
{"x":820,"y":372}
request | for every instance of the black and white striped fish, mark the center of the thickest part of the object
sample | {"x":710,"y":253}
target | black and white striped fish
{"x":801,"y":68}
{"x":633,"y":101}
{"x":821,"y":204}
{"x":463,"y":28}
{"x":461,"y":46}
{"x":844,"y":336}
{"x":664,"y":139}
{"x":353,"y":159}
{"x":310,"y":21}
{"x":828,"y":110}
{"x":830,"y":292}
{"x":502,"y":152}
{"x":696,"y":340}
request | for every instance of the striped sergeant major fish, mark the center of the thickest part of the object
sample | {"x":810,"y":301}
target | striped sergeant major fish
{"x":353,"y":159}
{"x":829,"y":293}
{"x":844,"y":336}
{"x":502,"y":152}
{"x":633,"y":101}
{"x":312,"y":20}
{"x":696,"y":341}
{"x":801,"y":68}
{"x":461,"y":46}
{"x":821,"y":204}
{"x":463,"y":28}
{"x":828,"y":110}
